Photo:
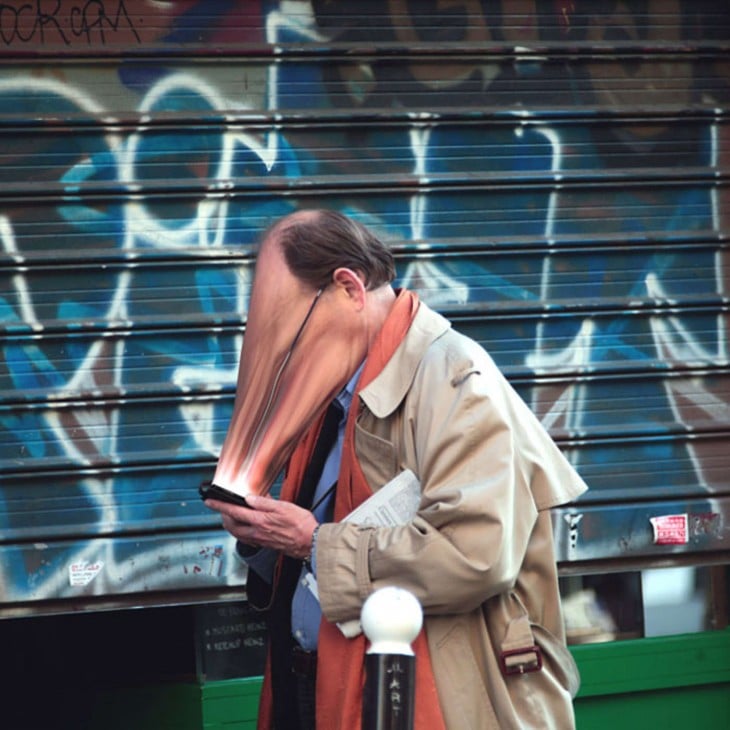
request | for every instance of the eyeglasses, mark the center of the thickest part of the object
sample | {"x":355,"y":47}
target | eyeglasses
{"x":282,"y":367}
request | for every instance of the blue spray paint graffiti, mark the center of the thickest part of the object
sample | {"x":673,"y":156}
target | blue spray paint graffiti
{"x":129,"y":258}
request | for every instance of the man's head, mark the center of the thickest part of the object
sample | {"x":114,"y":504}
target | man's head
{"x":320,"y":296}
{"x":315,"y":243}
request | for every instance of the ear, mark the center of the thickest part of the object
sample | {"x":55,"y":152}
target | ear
{"x":351,"y":284}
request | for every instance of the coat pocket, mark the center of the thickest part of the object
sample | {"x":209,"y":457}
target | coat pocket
{"x":377,"y":457}
{"x":463,"y":695}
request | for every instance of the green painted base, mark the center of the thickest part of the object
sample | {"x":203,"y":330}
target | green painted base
{"x":231,"y":704}
{"x":671,"y":682}
{"x":650,"y":664}
{"x":680,"y":708}
{"x":668,"y":682}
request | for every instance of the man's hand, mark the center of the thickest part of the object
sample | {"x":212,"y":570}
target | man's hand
{"x":269,"y":523}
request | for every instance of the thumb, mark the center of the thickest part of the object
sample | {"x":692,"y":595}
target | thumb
{"x":256,"y":501}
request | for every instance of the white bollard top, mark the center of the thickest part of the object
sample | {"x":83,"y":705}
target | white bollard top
{"x":391,"y":618}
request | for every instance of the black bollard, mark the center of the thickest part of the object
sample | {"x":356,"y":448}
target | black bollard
{"x":391,"y":619}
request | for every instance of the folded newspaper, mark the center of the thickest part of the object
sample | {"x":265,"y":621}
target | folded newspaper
{"x":395,"y":503}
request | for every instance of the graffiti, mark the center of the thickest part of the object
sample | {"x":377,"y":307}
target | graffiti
{"x":125,"y":284}
{"x":54,"y":21}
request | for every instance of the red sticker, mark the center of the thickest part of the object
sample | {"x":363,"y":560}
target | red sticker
{"x":670,"y":529}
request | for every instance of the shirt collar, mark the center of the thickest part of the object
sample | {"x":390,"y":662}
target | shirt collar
{"x":347,"y":393}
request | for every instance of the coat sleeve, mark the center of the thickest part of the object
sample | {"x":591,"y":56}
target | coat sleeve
{"x":461,"y":435}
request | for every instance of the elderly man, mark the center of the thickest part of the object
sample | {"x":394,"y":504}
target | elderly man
{"x":324,"y":326}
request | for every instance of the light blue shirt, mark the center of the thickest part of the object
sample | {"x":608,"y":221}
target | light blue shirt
{"x":306,"y":612}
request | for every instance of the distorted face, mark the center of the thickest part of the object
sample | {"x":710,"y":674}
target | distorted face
{"x":301,"y":347}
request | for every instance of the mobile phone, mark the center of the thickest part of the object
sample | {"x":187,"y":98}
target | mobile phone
{"x":208,"y":490}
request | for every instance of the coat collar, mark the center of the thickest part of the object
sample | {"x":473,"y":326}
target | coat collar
{"x":383,"y":395}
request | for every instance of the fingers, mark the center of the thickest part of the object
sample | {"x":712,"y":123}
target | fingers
{"x":243,"y":532}
{"x":264,"y":504}
{"x":236,"y":512}
{"x":268,"y":523}
{"x":253,"y":502}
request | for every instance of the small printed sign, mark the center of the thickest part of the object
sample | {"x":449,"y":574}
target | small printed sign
{"x":82,"y":573}
{"x":232,"y":640}
{"x":670,"y":529}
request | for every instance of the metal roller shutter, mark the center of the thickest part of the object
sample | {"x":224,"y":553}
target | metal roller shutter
{"x":553,"y":176}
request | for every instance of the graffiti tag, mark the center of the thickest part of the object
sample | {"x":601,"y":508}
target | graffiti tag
{"x":44,"y":21}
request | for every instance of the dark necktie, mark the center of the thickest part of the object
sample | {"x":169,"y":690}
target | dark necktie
{"x":325,"y":441}
{"x":280,"y":630}
{"x":259,"y":591}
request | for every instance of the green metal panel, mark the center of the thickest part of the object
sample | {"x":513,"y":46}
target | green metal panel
{"x":679,"y":708}
{"x":231,"y":704}
{"x":669,"y":682}
{"x":655,"y":663}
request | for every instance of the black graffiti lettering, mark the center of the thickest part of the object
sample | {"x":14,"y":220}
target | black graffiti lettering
{"x":93,"y":16}
{"x":42,"y":21}
{"x":11,"y":26}
{"x":29,"y":21}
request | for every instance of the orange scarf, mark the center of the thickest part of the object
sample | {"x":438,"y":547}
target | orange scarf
{"x":341,"y":661}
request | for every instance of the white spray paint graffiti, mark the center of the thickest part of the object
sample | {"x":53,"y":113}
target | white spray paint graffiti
{"x":205,"y":230}
{"x":98,"y":428}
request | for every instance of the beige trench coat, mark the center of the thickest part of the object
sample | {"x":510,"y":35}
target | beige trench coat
{"x":479,"y":553}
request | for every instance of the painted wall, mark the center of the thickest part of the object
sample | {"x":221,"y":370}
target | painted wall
{"x":553,"y":176}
